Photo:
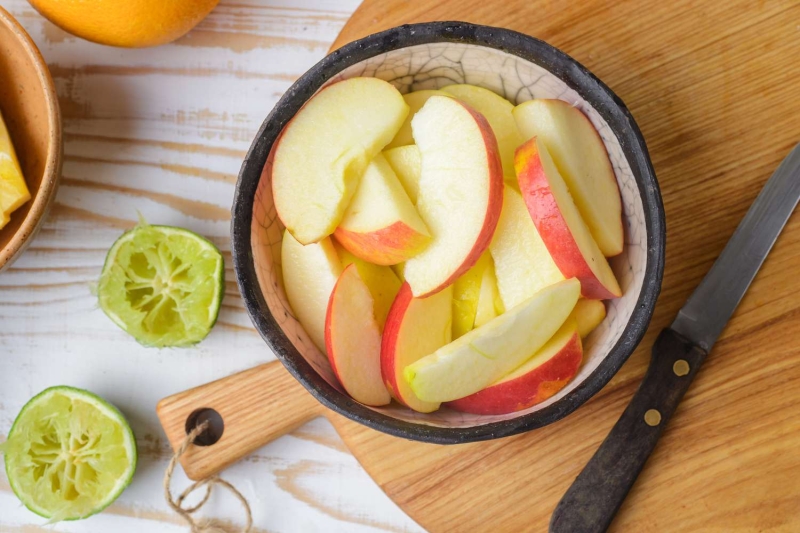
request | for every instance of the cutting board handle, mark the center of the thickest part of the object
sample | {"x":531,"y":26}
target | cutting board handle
{"x":255,"y":406}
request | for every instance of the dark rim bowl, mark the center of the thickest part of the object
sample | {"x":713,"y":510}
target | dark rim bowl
{"x":579,"y":80}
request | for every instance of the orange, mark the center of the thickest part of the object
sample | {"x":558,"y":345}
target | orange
{"x":128,"y":23}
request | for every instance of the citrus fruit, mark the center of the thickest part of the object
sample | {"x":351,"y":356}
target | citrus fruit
{"x":128,"y":23}
{"x":69,"y":454}
{"x":163,"y":285}
{"x":13,"y":191}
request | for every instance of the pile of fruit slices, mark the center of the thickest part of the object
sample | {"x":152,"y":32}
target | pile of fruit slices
{"x":446,"y":246}
{"x":13,"y":190}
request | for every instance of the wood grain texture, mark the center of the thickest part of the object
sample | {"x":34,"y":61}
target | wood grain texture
{"x":163,"y":131}
{"x":711,"y":85}
{"x":257,"y":406}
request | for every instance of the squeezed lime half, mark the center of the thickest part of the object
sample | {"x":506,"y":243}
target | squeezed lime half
{"x":163,"y":285}
{"x":69,"y":454}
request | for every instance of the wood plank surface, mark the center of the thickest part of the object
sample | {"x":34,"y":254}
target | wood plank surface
{"x":713,"y":86}
{"x":163,"y":131}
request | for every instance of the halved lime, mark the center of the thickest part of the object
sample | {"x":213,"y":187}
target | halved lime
{"x":163,"y":285}
{"x":69,"y":454}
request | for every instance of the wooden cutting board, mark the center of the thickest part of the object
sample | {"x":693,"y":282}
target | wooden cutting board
{"x":715,"y":88}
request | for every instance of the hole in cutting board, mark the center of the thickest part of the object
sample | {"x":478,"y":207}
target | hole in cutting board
{"x":214,"y":431}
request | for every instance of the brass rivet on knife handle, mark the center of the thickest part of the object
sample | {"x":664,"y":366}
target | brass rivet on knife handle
{"x":250,"y":409}
{"x":652,"y":417}
{"x":681,"y":367}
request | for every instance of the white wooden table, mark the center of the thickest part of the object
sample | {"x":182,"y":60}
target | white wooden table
{"x":163,"y":131}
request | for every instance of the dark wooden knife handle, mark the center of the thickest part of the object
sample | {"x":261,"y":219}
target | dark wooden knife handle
{"x":597,"y":493}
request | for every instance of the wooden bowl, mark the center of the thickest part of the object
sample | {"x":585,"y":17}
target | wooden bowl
{"x":30,"y":109}
{"x":430,"y":56}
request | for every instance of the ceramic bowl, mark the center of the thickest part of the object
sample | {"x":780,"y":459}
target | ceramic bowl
{"x":519,"y":67}
{"x":30,"y":108}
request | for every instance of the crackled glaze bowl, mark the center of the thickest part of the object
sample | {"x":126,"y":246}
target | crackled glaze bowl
{"x":520,"y":68}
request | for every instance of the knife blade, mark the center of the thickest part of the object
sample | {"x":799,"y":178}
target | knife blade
{"x":708,"y":309}
{"x":590,"y":503}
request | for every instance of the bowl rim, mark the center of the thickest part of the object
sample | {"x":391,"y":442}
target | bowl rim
{"x":576,"y":76}
{"x":43,"y":199}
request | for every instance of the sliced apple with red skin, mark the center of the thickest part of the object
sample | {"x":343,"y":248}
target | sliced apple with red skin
{"x":486,"y":354}
{"x":560,"y":225}
{"x":581,"y":158}
{"x":588,"y":314}
{"x":540,"y":377}
{"x":309,"y":274}
{"x":406,"y":162}
{"x":498,"y":112}
{"x":460,"y":192}
{"x":381,"y":225}
{"x":415,"y":101}
{"x":522,"y":264}
{"x":414,"y":328}
{"x":353,"y":340}
{"x":382,"y":282}
{"x":321,"y":154}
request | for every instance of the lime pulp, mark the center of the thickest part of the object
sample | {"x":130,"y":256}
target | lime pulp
{"x":69,"y":454}
{"x":163,"y":285}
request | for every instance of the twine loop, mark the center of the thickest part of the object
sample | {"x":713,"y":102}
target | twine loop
{"x":200,"y":525}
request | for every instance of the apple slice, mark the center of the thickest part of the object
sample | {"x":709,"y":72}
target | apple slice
{"x":540,"y":377}
{"x":521,"y":261}
{"x":415,"y":101}
{"x":353,"y":340}
{"x":406,"y":162}
{"x":581,"y":158}
{"x":497,"y":111}
{"x":415,"y":328}
{"x":322,"y":153}
{"x":460,"y":192}
{"x":466,"y":293}
{"x":560,"y":225}
{"x":489,"y":303}
{"x":484,"y":355}
{"x":398,"y":270}
{"x":381,"y":225}
{"x":382,"y":282}
{"x":588,"y":314}
{"x":309,"y":275}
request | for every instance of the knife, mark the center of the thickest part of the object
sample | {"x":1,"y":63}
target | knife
{"x":596,"y":495}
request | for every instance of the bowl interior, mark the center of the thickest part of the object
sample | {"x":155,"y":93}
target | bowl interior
{"x":30,"y":109}
{"x":432,"y":66}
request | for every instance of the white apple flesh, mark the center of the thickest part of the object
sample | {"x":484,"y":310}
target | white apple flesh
{"x":382,"y":282}
{"x":321,"y":154}
{"x":309,"y":275}
{"x":414,"y":328}
{"x":581,"y":158}
{"x":460,"y":192}
{"x":498,"y":112}
{"x":522,"y":264}
{"x":588,"y":315}
{"x":537,"y":379}
{"x":415,"y":101}
{"x":353,"y":340}
{"x":560,"y":225}
{"x":381,"y":225}
{"x":489,"y":303}
{"x":486,"y":354}
{"x":406,"y":162}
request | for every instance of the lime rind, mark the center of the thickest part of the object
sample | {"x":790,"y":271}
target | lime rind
{"x":69,"y":454}
{"x":163,"y":285}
